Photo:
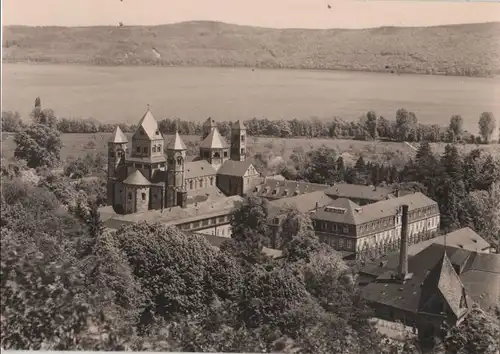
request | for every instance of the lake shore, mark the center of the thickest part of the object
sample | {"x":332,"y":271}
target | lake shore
{"x":388,"y":72}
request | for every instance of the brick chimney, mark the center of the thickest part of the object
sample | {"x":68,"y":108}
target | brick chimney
{"x":403,"y":252}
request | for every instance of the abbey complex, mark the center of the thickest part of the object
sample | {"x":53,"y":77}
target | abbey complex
{"x":144,"y":177}
{"x":154,"y":180}
{"x":150,"y":179}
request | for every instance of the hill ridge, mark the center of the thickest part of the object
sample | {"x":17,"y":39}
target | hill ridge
{"x":464,"y":49}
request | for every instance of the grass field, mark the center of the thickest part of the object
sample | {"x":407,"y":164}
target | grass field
{"x":397,"y":153}
{"x":467,"y":49}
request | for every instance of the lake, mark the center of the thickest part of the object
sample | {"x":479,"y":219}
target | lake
{"x":121,"y":94}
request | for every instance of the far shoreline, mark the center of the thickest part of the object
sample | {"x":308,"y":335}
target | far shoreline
{"x":339,"y":70}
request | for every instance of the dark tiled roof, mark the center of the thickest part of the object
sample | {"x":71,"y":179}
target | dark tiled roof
{"x":118,"y":136}
{"x":375,"y":211}
{"x":234,"y":168}
{"x":480,"y":276}
{"x":137,"y":179}
{"x":176,"y":143}
{"x":354,"y":191}
{"x":200,"y":168}
{"x":214,"y":141}
{"x":444,"y":280}
{"x":304,"y":202}
{"x":276,"y":189}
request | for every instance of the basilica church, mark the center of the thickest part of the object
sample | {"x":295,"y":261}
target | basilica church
{"x":152,"y":175}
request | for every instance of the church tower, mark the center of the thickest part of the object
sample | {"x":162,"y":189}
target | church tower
{"x":238,"y":141}
{"x":176,"y":159}
{"x":209,"y":125}
{"x":117,"y":151}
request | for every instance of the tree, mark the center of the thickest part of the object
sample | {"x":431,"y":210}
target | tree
{"x":456,"y":125}
{"x":405,"y":122}
{"x":371,"y":124}
{"x":298,"y":238}
{"x":483,"y":208}
{"x":477,"y":333}
{"x":487,"y":126}
{"x":39,"y":145}
{"x":251,"y":216}
{"x":11,"y":121}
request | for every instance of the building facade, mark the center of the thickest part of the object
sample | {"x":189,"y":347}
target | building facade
{"x":153,"y":175}
{"x":375,"y":229}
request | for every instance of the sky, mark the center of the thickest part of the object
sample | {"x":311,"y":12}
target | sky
{"x":265,"y":13}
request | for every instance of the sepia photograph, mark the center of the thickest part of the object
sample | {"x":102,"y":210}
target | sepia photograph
{"x":250,"y":176}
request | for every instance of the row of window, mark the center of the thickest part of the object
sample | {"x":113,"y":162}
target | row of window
{"x":423,"y":212}
{"x":198,"y":183}
{"x":205,"y":222}
{"x":340,"y":244}
{"x":330,"y":227}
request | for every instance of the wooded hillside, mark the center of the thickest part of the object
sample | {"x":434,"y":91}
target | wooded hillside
{"x":469,"y":49}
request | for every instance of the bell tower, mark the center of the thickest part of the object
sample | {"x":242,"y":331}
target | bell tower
{"x":176,"y":159}
{"x":117,"y":151}
{"x":238,"y":141}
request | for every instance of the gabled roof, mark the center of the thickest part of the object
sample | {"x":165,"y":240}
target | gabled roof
{"x":198,"y":168}
{"x":234,"y":168}
{"x":137,"y":179}
{"x":341,"y":210}
{"x":214,"y":141}
{"x":303,"y":202}
{"x":238,"y":125}
{"x":118,"y":136}
{"x":354,"y":191}
{"x":464,"y":238}
{"x":176,"y":143}
{"x":443,"y":280}
{"x":276,"y":189}
{"x":150,"y":126}
{"x":382,"y":209}
{"x":479,"y":275}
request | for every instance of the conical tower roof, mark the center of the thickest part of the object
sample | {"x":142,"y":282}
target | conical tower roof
{"x":137,"y":179}
{"x":150,"y":126}
{"x":176,"y":143}
{"x":214,"y":141}
{"x":118,"y":136}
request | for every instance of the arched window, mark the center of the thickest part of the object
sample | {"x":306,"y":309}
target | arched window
{"x":190,"y":184}
{"x":143,"y":195}
{"x":154,"y":148}
{"x":179,"y":161}
{"x":216,"y":155}
{"x":129,"y":196}
{"x":211,"y":181}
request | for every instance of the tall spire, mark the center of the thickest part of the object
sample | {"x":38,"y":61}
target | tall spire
{"x":118,"y":136}
{"x":176,"y":143}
